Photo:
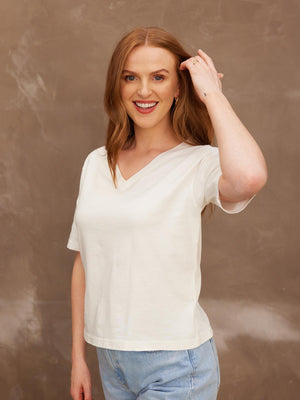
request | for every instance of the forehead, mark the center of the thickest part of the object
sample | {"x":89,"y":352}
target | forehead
{"x":148,"y":56}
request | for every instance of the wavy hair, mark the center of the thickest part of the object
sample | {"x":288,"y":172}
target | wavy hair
{"x":189,"y":117}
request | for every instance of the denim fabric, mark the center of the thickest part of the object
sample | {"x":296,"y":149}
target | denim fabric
{"x":160,"y":374}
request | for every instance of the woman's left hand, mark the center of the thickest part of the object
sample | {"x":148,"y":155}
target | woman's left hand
{"x":203,"y":73}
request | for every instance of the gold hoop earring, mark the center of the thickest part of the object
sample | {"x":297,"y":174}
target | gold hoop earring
{"x":176,"y":100}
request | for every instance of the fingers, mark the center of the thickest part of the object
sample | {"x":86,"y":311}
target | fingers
{"x":204,"y":60}
{"x":87,"y":393}
{"x":199,"y":60}
{"x":82,"y":392}
{"x":77,"y":393}
{"x":193,"y":61}
{"x":183,"y":65}
{"x":207,"y":59}
{"x":209,"y":64}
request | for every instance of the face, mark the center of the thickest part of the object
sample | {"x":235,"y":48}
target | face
{"x":149,"y":79}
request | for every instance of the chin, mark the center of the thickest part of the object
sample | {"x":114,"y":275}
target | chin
{"x":145,"y":126}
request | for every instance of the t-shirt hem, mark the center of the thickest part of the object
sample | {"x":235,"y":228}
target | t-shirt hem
{"x":231,"y":207}
{"x":148,"y":345}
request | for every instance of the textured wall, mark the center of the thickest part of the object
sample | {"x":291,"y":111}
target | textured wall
{"x":53,"y":61}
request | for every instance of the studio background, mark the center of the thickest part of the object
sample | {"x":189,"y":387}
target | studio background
{"x":53,"y":61}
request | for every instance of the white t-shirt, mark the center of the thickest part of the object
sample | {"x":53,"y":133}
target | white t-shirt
{"x":140,"y":246}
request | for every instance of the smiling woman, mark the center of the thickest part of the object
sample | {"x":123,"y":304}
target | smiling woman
{"x":140,"y":241}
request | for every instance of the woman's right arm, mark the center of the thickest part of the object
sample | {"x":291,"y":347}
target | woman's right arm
{"x":80,"y":375}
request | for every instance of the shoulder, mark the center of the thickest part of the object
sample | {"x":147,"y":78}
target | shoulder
{"x":211,"y":150}
{"x":201,"y":151}
{"x":98,"y":152}
{"x":95,"y":154}
{"x":205,"y":158}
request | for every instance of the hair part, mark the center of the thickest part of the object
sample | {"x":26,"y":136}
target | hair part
{"x":189,"y":117}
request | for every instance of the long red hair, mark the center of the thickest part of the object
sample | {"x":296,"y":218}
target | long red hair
{"x":189,"y":117}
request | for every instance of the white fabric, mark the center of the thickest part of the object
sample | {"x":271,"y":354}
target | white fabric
{"x":140,"y":246}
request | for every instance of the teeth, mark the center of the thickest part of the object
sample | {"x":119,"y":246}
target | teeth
{"x":145,"y":105}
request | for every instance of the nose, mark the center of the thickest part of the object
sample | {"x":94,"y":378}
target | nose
{"x":144,"y":89}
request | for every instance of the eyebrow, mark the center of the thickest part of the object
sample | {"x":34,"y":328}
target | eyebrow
{"x":154,"y":72}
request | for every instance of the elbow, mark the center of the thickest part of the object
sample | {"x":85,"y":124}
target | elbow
{"x":256,"y":181}
{"x":248,"y":184}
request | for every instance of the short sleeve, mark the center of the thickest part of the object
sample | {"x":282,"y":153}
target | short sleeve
{"x":206,"y":184}
{"x":73,"y":241}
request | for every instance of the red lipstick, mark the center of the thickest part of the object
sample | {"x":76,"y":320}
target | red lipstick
{"x":145,"y":110}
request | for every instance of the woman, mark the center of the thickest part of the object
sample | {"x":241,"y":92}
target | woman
{"x":137,"y":224}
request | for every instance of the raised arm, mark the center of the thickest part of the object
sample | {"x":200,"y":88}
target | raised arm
{"x":244,"y":170}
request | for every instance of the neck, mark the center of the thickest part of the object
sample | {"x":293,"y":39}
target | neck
{"x":159,"y":137}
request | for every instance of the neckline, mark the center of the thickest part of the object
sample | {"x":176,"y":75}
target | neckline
{"x":147,"y":165}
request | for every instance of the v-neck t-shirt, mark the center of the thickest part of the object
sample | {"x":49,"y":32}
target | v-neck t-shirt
{"x":140,"y":245}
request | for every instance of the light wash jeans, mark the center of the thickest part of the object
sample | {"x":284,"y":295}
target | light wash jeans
{"x":160,"y":374}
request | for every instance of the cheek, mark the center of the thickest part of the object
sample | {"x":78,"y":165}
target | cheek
{"x":168,"y":90}
{"x":122,"y":92}
{"x":125,"y":91}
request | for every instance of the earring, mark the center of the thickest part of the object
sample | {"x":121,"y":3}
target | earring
{"x":176,"y":100}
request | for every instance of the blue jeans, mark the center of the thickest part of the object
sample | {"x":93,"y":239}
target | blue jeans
{"x":160,"y":374}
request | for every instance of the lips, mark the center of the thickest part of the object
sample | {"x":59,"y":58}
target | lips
{"x":145,"y":110}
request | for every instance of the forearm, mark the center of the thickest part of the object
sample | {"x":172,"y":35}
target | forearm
{"x":242,"y":162}
{"x":77,"y":301}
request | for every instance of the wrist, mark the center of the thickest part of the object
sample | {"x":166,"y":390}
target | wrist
{"x":213,"y":98}
{"x":210,"y":94}
{"x":78,"y":359}
{"x":78,"y":356}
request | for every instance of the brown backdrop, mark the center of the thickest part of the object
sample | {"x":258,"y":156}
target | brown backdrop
{"x":54,"y":56}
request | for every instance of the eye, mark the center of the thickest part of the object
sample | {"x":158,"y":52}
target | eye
{"x":159,"y":76}
{"x":128,"y":76}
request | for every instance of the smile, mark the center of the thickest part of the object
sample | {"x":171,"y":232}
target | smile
{"x":145,"y":108}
